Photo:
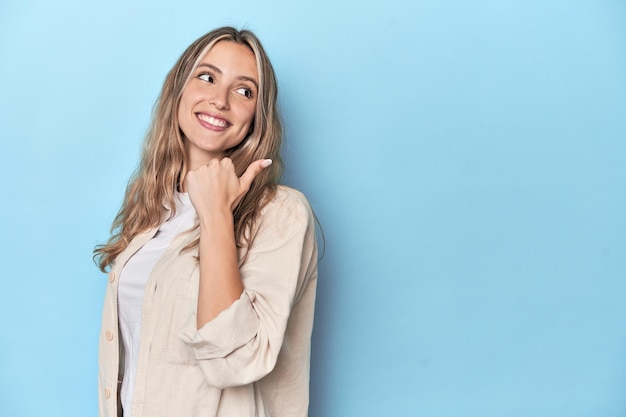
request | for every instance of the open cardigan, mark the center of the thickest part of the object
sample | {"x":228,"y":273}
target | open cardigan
{"x":252,"y":360}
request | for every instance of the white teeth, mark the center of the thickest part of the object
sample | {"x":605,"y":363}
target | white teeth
{"x":212,"y":120}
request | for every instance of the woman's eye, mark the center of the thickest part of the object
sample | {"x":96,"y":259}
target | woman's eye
{"x":245,"y":92}
{"x":207,"y":77}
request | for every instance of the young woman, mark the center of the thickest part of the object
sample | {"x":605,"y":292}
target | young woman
{"x":213,"y":265}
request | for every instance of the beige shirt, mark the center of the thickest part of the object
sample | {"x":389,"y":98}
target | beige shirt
{"x":251,"y":360}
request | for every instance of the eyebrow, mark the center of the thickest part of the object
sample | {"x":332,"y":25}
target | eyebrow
{"x":241,"y":77}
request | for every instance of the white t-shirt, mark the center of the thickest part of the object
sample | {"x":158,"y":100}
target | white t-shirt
{"x":133,"y":279}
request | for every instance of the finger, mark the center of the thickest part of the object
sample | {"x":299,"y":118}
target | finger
{"x":225,"y":162}
{"x":253,"y":170}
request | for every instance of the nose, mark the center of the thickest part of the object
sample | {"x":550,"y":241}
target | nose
{"x":220,"y":98}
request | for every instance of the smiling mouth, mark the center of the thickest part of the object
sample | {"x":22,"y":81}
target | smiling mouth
{"x":213,"y":121}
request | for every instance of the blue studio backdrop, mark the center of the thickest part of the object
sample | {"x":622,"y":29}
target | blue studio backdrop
{"x":467,"y":162}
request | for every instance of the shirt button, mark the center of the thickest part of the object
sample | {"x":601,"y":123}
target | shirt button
{"x":107,"y":393}
{"x":111,"y":276}
{"x":108,"y":335}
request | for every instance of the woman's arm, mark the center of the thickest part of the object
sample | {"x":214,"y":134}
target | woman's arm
{"x":241,"y":345}
{"x":220,"y":279}
{"x":215,"y":190}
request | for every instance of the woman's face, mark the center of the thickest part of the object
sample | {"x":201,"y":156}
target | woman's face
{"x":218,"y":104}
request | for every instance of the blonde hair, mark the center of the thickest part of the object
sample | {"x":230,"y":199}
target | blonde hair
{"x":163,"y":159}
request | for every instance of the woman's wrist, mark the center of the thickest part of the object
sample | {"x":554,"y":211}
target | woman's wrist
{"x":216,"y":217}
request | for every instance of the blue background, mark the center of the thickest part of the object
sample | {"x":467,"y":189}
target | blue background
{"x":467,"y":161}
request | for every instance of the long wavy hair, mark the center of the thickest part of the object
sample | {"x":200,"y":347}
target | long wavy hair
{"x":163,"y":158}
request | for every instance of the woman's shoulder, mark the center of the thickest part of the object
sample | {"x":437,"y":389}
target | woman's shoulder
{"x":287,"y":195}
{"x":286,"y":203}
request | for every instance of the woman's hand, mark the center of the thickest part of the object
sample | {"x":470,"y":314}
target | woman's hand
{"x":216,"y":186}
